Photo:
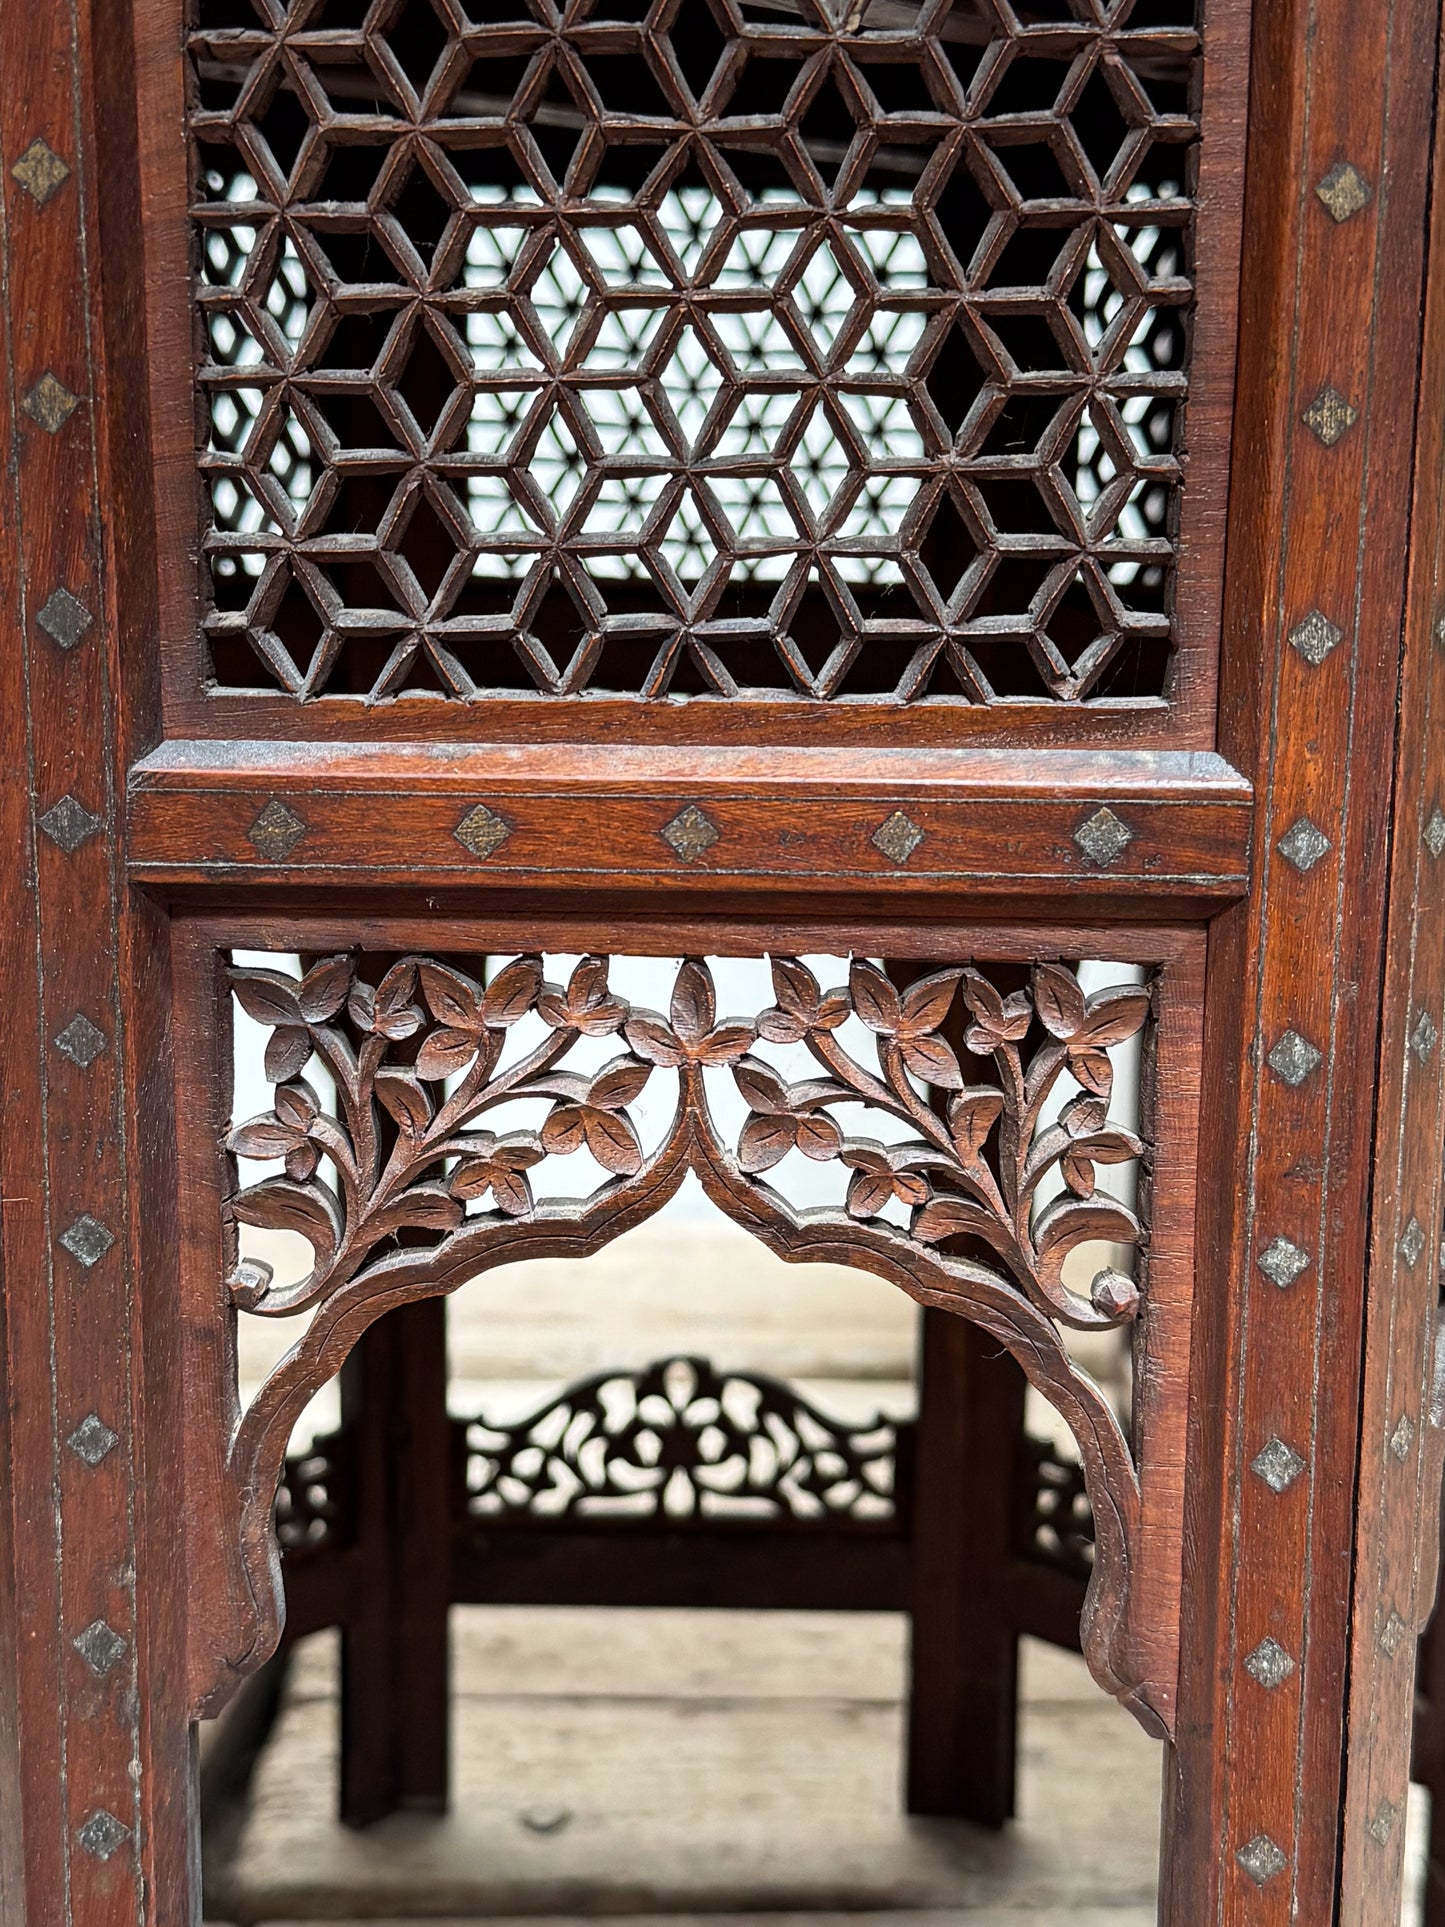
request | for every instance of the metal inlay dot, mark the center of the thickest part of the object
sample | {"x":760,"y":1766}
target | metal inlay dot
{"x":1383,"y":1823}
{"x":1424,"y":1037}
{"x":1278,"y":1465}
{"x":64,"y":618}
{"x":482,"y":831}
{"x":1435,"y":831}
{"x":1403,"y":1437}
{"x":1392,"y":1635}
{"x":102,"y":1834}
{"x":1282,"y":1261}
{"x":1412,"y":1242}
{"x":1103,"y":836}
{"x":81,"y":1041}
{"x":1303,"y":844}
{"x":276,"y":831}
{"x":1261,"y":1859}
{"x":50,"y":404}
{"x":897,"y":836}
{"x":1344,"y":190}
{"x":1315,"y":637}
{"x":1330,"y":416}
{"x":100,"y":1646}
{"x":87,"y":1239}
{"x":68,"y":824}
{"x":690,"y":834}
{"x":92,"y":1439}
{"x":1269,"y":1664}
{"x":40,"y":170}
{"x":1293,"y":1058}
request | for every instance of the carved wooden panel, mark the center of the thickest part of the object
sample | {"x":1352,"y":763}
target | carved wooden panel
{"x":726,"y":350}
{"x":431,"y":1120}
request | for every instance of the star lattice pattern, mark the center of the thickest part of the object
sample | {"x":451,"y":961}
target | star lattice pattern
{"x":729,"y":347}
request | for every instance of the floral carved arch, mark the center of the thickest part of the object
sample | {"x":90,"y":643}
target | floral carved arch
{"x":402,"y":1193}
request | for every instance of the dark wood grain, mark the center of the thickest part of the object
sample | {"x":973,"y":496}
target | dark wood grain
{"x":1402,"y":1441}
{"x":1313,"y":527}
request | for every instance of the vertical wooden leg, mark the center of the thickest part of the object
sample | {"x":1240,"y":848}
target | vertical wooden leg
{"x":963,"y":1679}
{"x":395,"y":1657}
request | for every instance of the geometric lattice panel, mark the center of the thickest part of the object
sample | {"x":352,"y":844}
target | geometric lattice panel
{"x":708,"y":347}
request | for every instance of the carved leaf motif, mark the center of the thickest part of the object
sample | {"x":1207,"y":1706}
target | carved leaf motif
{"x":323,"y":989}
{"x":406,"y":1100}
{"x":267,"y":996}
{"x":970,"y":1168}
{"x":279,"y":1204}
{"x":287,"y":1051}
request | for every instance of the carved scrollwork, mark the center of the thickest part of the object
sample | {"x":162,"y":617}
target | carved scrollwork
{"x":684,"y":1443}
{"x":408,"y":1158}
{"x":419,"y":1174}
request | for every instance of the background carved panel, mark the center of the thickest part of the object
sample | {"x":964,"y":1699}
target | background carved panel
{"x":696,"y":349}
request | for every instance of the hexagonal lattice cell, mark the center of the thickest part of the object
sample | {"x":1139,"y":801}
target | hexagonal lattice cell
{"x":701,"y":347}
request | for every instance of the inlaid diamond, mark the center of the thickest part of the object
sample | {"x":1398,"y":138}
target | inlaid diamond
{"x":1303,"y":844}
{"x":64,"y":618}
{"x":1282,"y":1261}
{"x":1261,"y":1859}
{"x":92,"y":1439}
{"x":100,"y":1646}
{"x":68,"y":823}
{"x":1412,"y":1242}
{"x":1424,"y":1037}
{"x":1277,"y":1465}
{"x":1330,"y":415}
{"x":276,"y":831}
{"x":690,"y":834}
{"x":87,"y":1239}
{"x":1392,"y":1635}
{"x":1435,"y":831}
{"x":1293,"y":1058}
{"x":897,"y":836}
{"x":1103,"y":836}
{"x":1314,"y":637}
{"x":102,"y":1834}
{"x":81,"y":1041}
{"x":1383,"y":1823}
{"x":1269,"y":1664}
{"x":40,"y":170}
{"x":482,"y":831}
{"x":1403,"y":1437}
{"x":50,"y":403}
{"x":1344,"y":190}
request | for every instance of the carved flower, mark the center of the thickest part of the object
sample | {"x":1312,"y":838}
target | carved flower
{"x":1087,"y":1026}
{"x":389,"y":1010}
{"x":499,"y":1165}
{"x":882,"y":1172}
{"x":910,"y":1018}
{"x":593,"y":1114}
{"x":289,"y":1005}
{"x":587,"y":1004}
{"x":801,"y":1007}
{"x":467,"y":1013}
{"x":996,"y":1020}
{"x":784,"y":1118}
{"x":695,"y":1036}
{"x":282,"y":1133}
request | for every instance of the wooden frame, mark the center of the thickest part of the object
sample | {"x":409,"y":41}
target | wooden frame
{"x":1307,"y":1500}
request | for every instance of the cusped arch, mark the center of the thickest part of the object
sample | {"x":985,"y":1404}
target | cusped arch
{"x":456,"y":1058}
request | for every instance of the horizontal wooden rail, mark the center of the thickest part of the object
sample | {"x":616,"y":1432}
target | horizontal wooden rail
{"x":1140,"y":828}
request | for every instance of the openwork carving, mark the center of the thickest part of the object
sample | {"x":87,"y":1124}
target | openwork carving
{"x":419,"y":1173}
{"x":406,"y":1157}
{"x":681,"y":1443}
{"x":1059,"y":1527}
{"x":712,"y":348}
